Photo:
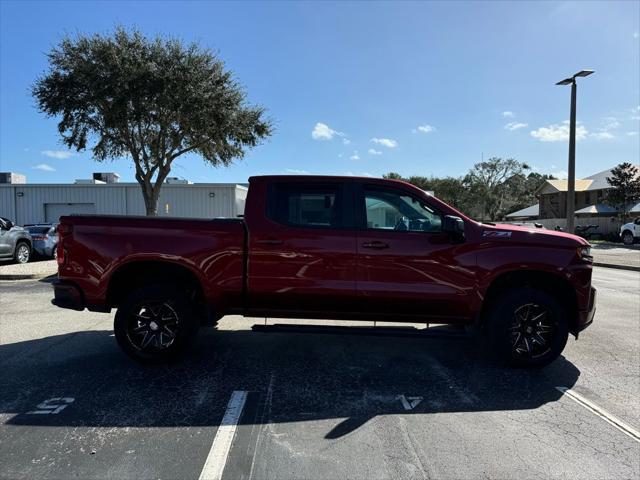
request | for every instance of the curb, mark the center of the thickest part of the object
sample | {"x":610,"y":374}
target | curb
{"x":24,"y":276}
{"x":18,"y":276}
{"x":619,"y":267}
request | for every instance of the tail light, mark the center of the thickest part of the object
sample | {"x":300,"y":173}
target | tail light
{"x":60,"y":254}
{"x":65,"y":229}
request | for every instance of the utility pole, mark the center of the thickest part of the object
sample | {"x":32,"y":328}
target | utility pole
{"x":571,"y":181}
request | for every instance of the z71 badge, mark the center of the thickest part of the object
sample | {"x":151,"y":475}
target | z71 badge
{"x":496,"y":234}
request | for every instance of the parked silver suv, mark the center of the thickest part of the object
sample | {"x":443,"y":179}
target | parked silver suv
{"x":15,"y":242}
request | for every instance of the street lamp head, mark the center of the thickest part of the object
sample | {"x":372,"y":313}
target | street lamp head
{"x":566,"y":81}
{"x":570,"y":80}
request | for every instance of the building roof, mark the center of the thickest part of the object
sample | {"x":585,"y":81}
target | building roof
{"x":597,"y":181}
{"x":597,"y":208}
{"x":532,"y":211}
{"x":553,"y":186}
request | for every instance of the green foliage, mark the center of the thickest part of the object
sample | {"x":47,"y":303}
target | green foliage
{"x":488,"y":191}
{"x":625,"y":181}
{"x":151,"y":99}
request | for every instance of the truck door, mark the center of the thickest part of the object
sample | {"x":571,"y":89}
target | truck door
{"x":302,"y":249}
{"x":407,"y":267}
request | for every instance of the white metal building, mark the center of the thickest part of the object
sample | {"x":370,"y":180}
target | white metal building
{"x":33,"y":203}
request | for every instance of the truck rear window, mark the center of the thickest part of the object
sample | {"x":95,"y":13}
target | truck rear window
{"x":306,"y":205}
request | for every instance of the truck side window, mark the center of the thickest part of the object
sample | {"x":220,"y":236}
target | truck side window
{"x":394,"y":210}
{"x":306,"y":205}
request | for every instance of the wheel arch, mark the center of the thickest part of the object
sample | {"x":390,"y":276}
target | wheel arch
{"x":24,"y":240}
{"x":550,"y":283}
{"x":139,"y":273}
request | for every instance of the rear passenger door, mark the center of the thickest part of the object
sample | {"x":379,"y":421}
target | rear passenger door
{"x":302,"y":252}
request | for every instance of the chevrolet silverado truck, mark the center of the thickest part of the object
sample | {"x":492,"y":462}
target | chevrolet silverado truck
{"x":328,"y":248}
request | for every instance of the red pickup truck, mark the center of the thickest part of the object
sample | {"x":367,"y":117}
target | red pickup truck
{"x":328,"y":248}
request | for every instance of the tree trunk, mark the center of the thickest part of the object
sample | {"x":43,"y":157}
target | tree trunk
{"x":150,"y":200}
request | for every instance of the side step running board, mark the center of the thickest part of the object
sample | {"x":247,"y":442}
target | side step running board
{"x":433,"y":332}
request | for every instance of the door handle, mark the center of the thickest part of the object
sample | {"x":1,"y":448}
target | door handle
{"x":375,"y":245}
{"x":269,"y":241}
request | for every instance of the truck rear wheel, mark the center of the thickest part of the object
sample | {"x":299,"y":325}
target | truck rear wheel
{"x":155,"y":324}
{"x":527,"y":327}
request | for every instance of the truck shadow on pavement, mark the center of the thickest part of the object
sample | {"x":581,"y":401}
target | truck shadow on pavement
{"x":349,"y":379}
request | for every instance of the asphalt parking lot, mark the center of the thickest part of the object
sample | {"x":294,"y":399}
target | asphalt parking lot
{"x":313,"y":405}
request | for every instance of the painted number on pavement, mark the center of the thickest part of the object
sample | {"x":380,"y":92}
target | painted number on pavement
{"x":52,"y":406}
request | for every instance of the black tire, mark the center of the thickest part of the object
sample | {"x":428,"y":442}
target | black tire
{"x":627,"y":237}
{"x":22,"y":254}
{"x":155,"y":324}
{"x":527,"y":327}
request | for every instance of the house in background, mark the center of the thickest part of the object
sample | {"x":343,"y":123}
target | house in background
{"x":590,"y":204}
{"x":525,"y":215}
{"x":590,"y":197}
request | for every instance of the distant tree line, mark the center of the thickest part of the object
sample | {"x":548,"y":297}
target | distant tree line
{"x":489,"y":191}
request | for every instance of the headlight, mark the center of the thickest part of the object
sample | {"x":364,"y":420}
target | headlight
{"x":584,"y":253}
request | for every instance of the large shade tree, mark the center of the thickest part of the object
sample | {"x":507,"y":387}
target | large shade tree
{"x":150,"y":99}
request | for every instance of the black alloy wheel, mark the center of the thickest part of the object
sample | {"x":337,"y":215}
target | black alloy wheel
{"x":527,"y":327}
{"x":531,"y":331}
{"x":155,"y":324}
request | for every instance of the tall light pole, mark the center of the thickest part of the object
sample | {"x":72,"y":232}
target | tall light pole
{"x":571,"y":181}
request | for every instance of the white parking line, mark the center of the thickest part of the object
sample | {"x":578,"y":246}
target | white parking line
{"x":219,"y":452}
{"x":602,"y":413}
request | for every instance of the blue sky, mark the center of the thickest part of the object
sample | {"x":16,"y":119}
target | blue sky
{"x":424,"y":88}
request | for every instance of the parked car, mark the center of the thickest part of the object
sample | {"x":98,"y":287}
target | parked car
{"x":15,"y":242}
{"x":45,"y":238}
{"x":630,"y":232}
{"x":334,"y":248}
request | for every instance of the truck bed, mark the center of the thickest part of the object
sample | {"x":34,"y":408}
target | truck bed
{"x":99,"y":245}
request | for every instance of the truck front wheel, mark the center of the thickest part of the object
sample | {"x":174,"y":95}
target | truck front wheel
{"x":155,"y":324}
{"x":627,"y":238}
{"x":527,"y":327}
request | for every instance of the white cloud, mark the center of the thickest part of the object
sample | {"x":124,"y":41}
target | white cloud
{"x":558,"y":132}
{"x":385,"y":142}
{"x":632,"y":134}
{"x":515,"y":125}
{"x":508,"y":114}
{"x":602,"y":135}
{"x":355,"y":156}
{"x":294,"y":171}
{"x":44,"y":167}
{"x":636,"y":35}
{"x":610,"y":123}
{"x":346,"y":141}
{"x":424,"y":129}
{"x":560,"y":174}
{"x":322,"y":131}
{"x":59,"y":154}
{"x":373,"y":151}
